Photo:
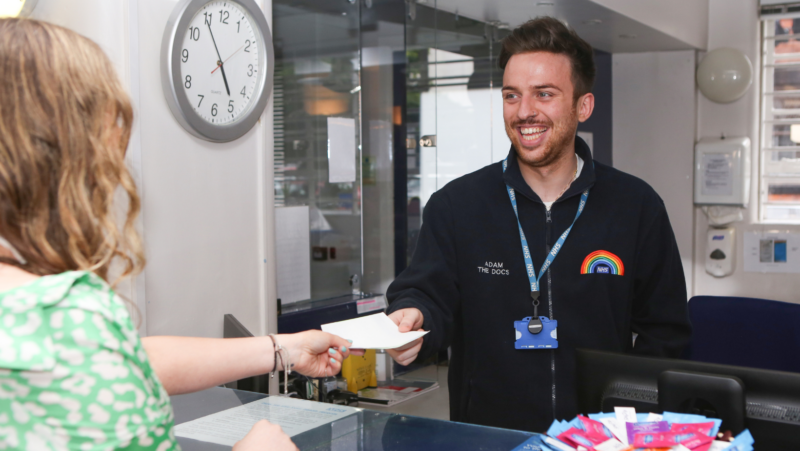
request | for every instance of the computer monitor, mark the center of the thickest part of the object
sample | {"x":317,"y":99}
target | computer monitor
{"x":771,"y":398}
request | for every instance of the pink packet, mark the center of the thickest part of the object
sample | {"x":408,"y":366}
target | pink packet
{"x":595,"y":428}
{"x":697,"y":441}
{"x":703,"y":428}
{"x":577,"y":438}
{"x":689,"y":439}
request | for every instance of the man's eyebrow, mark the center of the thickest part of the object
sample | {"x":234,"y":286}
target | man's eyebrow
{"x":538,"y":87}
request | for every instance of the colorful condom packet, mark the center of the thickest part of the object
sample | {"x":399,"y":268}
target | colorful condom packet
{"x":690,"y":440}
{"x":703,"y":428}
{"x":595,"y":428}
{"x":577,"y":437}
{"x":638,"y":428}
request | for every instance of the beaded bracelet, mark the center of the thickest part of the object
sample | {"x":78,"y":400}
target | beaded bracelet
{"x":284,"y":360}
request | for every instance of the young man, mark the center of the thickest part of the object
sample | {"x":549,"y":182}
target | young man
{"x":591,"y":246}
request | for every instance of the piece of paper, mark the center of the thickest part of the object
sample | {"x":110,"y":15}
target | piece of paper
{"x":717,"y":174}
{"x":617,"y":428}
{"x":372,"y":332}
{"x":625,"y":414}
{"x":294,"y":416}
{"x":292,"y":254}
{"x":341,"y":150}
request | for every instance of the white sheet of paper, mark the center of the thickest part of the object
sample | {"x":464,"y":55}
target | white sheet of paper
{"x":293,"y":254}
{"x":341,"y":150}
{"x":294,"y":416}
{"x":625,"y":414}
{"x":617,"y":428}
{"x":372,"y":332}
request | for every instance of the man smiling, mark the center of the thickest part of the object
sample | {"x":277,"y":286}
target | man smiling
{"x":581,"y":245}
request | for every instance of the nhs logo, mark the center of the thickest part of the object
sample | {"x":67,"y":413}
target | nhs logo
{"x":602,"y":269}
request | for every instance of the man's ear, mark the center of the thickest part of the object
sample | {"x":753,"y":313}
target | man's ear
{"x":585,"y":106}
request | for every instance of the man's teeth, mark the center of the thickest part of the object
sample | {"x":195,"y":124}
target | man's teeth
{"x":532,"y":132}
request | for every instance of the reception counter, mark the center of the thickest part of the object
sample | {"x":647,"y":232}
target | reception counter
{"x":362,"y":429}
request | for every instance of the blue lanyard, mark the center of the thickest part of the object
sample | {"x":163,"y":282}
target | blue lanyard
{"x":553,"y":252}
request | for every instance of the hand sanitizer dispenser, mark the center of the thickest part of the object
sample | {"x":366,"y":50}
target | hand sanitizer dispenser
{"x":720,"y":252}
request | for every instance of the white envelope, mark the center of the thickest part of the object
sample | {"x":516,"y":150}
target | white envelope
{"x":372,"y":332}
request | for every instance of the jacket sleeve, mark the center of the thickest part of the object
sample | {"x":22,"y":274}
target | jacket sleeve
{"x":430,"y":282}
{"x":659,"y":312}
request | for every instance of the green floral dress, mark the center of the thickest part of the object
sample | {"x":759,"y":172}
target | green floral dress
{"x":74,"y":374}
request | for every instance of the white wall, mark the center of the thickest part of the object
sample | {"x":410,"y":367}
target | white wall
{"x":686,"y":20}
{"x":734,"y":23}
{"x":653,"y":132}
{"x":207,"y":208}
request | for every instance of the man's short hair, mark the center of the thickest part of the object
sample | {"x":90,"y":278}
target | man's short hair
{"x":548,"y":34}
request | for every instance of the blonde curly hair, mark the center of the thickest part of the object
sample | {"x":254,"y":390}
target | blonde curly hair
{"x":65,"y":122}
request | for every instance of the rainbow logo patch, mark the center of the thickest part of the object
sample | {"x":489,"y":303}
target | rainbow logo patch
{"x":602,"y":262}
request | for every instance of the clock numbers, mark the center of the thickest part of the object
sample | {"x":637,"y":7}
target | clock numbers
{"x":219,"y":58}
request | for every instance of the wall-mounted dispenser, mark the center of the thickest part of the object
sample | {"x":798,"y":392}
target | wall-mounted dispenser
{"x":720,"y":252}
{"x":722,"y":171}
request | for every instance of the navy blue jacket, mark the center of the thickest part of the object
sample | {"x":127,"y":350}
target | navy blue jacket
{"x":469,"y":225}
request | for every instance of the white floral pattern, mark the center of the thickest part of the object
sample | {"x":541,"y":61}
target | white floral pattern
{"x":73,"y":372}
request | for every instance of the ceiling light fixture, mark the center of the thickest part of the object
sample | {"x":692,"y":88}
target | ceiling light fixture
{"x":592,"y":22}
{"x":627,"y":36}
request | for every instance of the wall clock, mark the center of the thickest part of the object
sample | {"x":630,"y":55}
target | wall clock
{"x":217,"y":67}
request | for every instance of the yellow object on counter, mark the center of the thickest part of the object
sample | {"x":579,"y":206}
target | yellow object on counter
{"x":359,"y":371}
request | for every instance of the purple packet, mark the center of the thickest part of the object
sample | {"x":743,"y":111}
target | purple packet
{"x":644,"y":428}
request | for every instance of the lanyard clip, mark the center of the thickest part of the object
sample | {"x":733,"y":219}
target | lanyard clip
{"x":535,"y":324}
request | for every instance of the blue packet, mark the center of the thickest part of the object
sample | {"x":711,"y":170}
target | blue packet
{"x":742,"y":442}
{"x":555,"y":429}
{"x":600,"y":416}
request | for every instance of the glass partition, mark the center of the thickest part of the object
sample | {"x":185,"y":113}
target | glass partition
{"x":317,"y":104}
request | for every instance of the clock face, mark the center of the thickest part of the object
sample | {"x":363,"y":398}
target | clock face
{"x":221,"y":55}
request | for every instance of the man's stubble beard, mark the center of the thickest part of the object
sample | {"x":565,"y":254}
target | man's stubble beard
{"x":553,"y":149}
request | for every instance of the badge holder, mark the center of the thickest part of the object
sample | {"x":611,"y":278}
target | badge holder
{"x":536,"y":332}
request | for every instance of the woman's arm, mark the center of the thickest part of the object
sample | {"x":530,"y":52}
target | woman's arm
{"x":189,"y":364}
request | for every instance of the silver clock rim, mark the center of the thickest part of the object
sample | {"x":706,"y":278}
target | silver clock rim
{"x":176,"y":97}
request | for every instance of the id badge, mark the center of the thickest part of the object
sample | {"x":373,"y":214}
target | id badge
{"x":546,"y":339}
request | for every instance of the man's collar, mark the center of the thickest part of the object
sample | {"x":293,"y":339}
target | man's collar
{"x":513,"y":176}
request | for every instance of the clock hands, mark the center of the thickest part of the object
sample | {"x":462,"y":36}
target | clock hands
{"x":226,"y":60}
{"x":224,"y":78}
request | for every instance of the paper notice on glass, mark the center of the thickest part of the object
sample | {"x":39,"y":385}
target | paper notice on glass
{"x":717,"y":174}
{"x":372,"y":332}
{"x":341,"y":150}
{"x":294,"y":416}
{"x":292,"y":253}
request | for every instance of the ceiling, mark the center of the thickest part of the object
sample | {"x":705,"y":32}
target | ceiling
{"x":602,"y":27}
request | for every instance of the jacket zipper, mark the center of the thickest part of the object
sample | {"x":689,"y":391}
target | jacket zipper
{"x":549,"y":226}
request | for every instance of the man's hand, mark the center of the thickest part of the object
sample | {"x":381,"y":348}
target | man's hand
{"x":407,"y":319}
{"x":265,"y":436}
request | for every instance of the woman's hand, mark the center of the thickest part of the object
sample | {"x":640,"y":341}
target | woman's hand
{"x":316,"y":353}
{"x":265,"y":436}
